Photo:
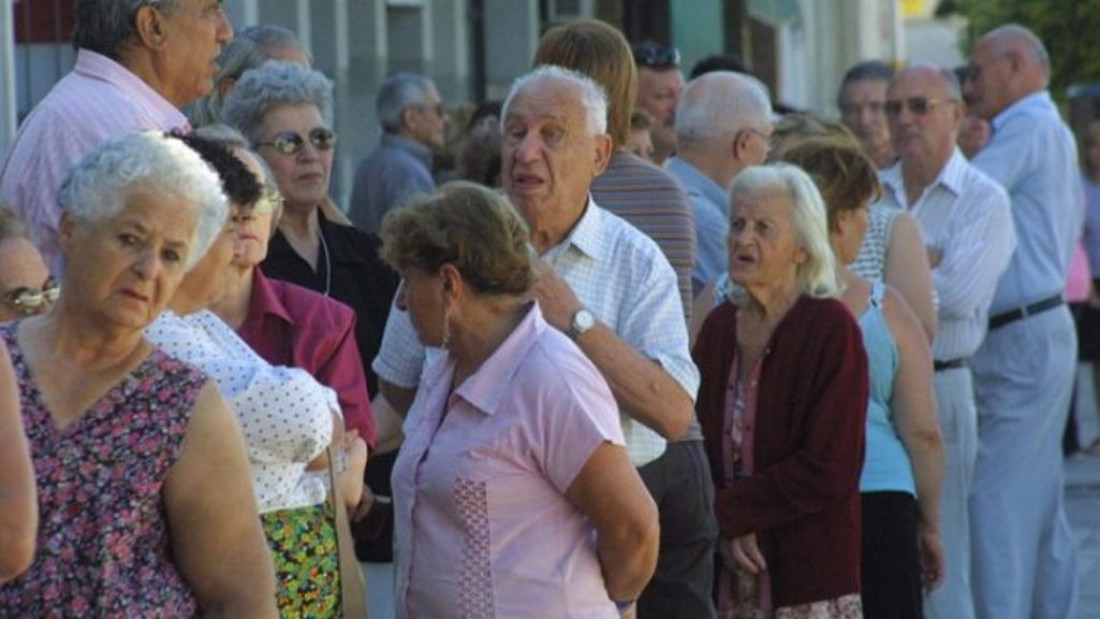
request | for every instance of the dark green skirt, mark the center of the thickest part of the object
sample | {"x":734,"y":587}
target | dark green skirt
{"x":307,"y":563}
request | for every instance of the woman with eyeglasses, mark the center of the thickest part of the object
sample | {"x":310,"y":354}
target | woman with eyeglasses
{"x":145,"y":501}
{"x":285,"y":111}
{"x":26,"y":286}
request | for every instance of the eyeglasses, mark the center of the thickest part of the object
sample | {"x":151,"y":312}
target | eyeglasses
{"x":268,"y":202}
{"x":28,"y":301}
{"x":917,"y":105}
{"x":654,"y":56}
{"x":437,"y":109}
{"x":290,"y":143}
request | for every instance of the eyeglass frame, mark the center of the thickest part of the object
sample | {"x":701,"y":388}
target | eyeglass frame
{"x":919,"y":106}
{"x":298,"y":142}
{"x":19,"y":299}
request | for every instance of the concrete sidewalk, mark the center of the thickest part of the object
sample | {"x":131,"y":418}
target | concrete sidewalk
{"x":1083,"y":510}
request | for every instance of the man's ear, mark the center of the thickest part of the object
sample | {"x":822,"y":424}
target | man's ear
{"x":408,"y":118}
{"x":604,"y":148}
{"x":149,"y":25}
{"x":740,"y":144}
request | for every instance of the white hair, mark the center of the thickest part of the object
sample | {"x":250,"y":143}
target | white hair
{"x":97,"y":186}
{"x":818,"y":275}
{"x":275,"y":84}
{"x":397,"y":93}
{"x":716,"y":105}
{"x":593,"y":98}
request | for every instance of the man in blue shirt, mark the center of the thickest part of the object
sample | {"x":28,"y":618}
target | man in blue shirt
{"x":413,"y":121}
{"x":1023,"y":552}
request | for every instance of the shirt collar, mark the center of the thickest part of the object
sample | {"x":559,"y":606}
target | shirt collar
{"x":1033,"y":102}
{"x":414,"y":148}
{"x":586,"y":235}
{"x":99,"y":67}
{"x":693,"y":179}
{"x":486,"y":387}
{"x":265,"y":300}
{"x":950,"y":177}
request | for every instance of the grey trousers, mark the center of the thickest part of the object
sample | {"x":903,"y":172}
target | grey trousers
{"x":682,"y":487}
{"x":959,"y":425}
{"x":1023,"y":552}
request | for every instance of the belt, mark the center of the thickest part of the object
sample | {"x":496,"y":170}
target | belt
{"x":1038,"y":307}
{"x":950,"y":364}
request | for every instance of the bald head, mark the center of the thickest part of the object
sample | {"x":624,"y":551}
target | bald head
{"x":715,"y":106}
{"x":1006,"y":65}
{"x":923,"y":111}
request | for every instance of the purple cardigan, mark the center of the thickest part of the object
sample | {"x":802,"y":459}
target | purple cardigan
{"x":803,"y":499}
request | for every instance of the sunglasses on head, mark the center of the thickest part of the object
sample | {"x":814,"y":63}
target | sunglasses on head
{"x":290,"y":143}
{"x":917,"y":105}
{"x":28,"y":301}
{"x":656,"y":56}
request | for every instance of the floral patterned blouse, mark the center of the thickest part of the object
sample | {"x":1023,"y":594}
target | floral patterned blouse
{"x":103,"y":548}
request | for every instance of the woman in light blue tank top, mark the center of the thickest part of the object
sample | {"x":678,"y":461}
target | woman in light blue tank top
{"x":903,"y":461}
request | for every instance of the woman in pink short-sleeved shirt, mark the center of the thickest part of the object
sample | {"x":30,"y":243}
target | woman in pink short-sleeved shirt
{"x":513,"y":492}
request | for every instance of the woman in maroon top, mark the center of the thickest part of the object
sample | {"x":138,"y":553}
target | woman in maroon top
{"x":783,"y":402}
{"x":284,"y":323}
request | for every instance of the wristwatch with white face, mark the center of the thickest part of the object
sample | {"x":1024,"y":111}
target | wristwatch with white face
{"x":582,"y":321}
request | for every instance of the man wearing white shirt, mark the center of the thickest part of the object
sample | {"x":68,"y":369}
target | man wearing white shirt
{"x":1023,"y":550}
{"x":966,"y":222}
{"x":610,"y":288}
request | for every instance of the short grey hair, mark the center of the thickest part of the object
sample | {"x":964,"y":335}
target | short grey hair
{"x":1037,"y":50}
{"x":400,"y":91}
{"x":104,"y":26}
{"x":272,"y":85}
{"x":593,"y":96}
{"x":818,"y":276}
{"x":716,"y":105}
{"x":232,"y":139}
{"x":97,"y":186}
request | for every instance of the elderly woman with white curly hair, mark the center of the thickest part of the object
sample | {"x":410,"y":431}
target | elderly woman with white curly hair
{"x":782,"y":402}
{"x":145,"y":499}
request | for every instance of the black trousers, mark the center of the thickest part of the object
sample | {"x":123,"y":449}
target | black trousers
{"x":682,"y":487}
{"x":891,"y":556}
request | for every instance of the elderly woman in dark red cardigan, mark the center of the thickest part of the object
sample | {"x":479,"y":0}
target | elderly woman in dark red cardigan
{"x":782,"y":403}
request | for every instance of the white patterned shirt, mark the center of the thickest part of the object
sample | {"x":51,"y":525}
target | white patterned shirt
{"x":622,"y":277}
{"x":966,"y":215}
{"x":284,"y":414}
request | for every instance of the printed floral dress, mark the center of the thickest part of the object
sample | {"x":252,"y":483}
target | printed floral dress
{"x":103,"y":548}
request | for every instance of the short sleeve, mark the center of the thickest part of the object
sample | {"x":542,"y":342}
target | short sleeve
{"x":400,"y":360}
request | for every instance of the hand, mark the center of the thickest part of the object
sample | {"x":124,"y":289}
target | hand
{"x":935,"y":256}
{"x":351,"y":480}
{"x":556,"y":299}
{"x":931,"y":558}
{"x":746,"y":554}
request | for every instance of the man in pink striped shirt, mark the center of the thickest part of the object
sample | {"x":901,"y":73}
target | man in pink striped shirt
{"x":138,"y":62}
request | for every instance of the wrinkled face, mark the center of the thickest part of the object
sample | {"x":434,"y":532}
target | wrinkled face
{"x":254,"y":225}
{"x":763,"y":246}
{"x":427,"y":122}
{"x":641,"y":144}
{"x":123,"y":270}
{"x":861,"y":110}
{"x":194,"y":35}
{"x":207,"y":282}
{"x":986,"y":85}
{"x":923,"y":116}
{"x":26,"y":286}
{"x":973,"y":134}
{"x":659,"y":91}
{"x":548,"y":156}
{"x":421,"y":295}
{"x":303,"y":176}
{"x":847,"y":237}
